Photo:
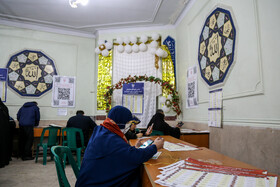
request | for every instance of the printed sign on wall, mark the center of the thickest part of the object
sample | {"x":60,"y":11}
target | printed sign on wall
{"x":3,"y":83}
{"x":133,"y":97}
{"x":192,"y":100}
{"x":215,"y":108}
{"x":63,"y":94}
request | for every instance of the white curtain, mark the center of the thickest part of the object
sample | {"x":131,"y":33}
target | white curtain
{"x":140,"y":63}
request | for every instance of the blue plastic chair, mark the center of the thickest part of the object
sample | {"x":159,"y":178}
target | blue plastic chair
{"x":71,"y":141}
{"x":53,"y":139}
{"x":60,"y":153}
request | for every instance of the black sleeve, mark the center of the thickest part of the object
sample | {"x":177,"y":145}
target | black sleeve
{"x":12,"y":123}
{"x":166,"y":128}
{"x":92,"y":123}
{"x":172,"y":131}
{"x":151,"y":122}
{"x":130,"y":135}
{"x":37,"y":116}
{"x":175,"y":132}
{"x":68,"y":123}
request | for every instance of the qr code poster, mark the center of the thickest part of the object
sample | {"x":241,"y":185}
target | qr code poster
{"x":63,"y":94}
{"x":192,"y":101}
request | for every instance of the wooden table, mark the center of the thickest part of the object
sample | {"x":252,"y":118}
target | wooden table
{"x":198,"y":139}
{"x":38,"y":131}
{"x":150,"y":170}
{"x":37,"y":135}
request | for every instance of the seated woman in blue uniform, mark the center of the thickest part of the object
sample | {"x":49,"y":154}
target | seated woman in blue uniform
{"x":109,"y":160}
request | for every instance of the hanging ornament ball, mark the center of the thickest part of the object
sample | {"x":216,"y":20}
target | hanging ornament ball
{"x":153,"y":51}
{"x":120,"y":40}
{"x":154,"y":44}
{"x":162,"y":99}
{"x":133,"y":39}
{"x":126,"y":40}
{"x":105,"y":52}
{"x":155,"y":36}
{"x":97,"y":50}
{"x":128,"y":49}
{"x":100,"y":42}
{"x":165,"y":109}
{"x":143,"y":47}
{"x":159,"y":52}
{"x":135,"y":48}
{"x":108,"y":45}
{"x":144,"y":38}
{"x":120,"y":48}
{"x":165,"y":54}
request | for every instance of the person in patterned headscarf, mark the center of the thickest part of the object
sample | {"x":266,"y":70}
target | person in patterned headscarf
{"x":109,"y":160}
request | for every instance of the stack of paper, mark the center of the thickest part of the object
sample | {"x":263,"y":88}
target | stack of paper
{"x":193,"y":131}
{"x":54,"y":125}
{"x":191,"y":172}
{"x":178,"y":147}
{"x":187,"y":131}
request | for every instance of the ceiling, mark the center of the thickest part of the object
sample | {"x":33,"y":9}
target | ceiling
{"x":96,"y":16}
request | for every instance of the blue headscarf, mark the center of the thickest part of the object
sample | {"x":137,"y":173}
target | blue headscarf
{"x":120,"y":115}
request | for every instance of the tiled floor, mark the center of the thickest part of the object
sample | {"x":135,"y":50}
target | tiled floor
{"x":28,"y":173}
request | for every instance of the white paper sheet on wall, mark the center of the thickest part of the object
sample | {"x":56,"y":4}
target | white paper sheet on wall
{"x":3,"y":90}
{"x":3,"y":83}
{"x":63,"y":91}
{"x":132,"y":97}
{"x":62,"y":111}
{"x":192,"y":100}
{"x":134,"y":103}
{"x":215,"y":108}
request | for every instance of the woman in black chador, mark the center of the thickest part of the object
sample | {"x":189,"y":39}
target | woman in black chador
{"x":4,"y":135}
{"x":159,"y":124}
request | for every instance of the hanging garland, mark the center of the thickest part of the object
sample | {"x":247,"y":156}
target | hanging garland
{"x":165,"y":84}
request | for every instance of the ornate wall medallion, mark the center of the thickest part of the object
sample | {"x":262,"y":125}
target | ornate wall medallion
{"x":30,"y":73}
{"x":216,"y":46}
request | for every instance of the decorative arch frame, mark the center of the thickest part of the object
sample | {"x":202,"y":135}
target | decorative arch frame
{"x":132,"y":79}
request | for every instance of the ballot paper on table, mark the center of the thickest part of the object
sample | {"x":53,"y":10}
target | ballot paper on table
{"x":54,"y":125}
{"x":156,"y":155}
{"x":191,"y":172}
{"x":178,"y":147}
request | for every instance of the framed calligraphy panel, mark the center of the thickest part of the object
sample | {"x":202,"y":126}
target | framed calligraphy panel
{"x":30,"y":73}
{"x":216,"y":46}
